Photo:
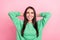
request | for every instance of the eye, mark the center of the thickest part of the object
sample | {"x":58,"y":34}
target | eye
{"x":32,"y":12}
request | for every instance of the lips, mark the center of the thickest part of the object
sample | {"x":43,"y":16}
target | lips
{"x":30,"y":17}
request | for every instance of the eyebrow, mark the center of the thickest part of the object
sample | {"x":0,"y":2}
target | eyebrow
{"x":27,"y":12}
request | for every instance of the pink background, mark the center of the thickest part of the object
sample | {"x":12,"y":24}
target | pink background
{"x":50,"y":32}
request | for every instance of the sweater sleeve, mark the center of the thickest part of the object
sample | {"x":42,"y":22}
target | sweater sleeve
{"x":13,"y":15}
{"x":43,"y":21}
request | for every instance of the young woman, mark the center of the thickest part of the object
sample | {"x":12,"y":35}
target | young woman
{"x":29,"y":29}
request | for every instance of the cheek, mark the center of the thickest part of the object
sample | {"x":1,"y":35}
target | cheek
{"x":27,"y":15}
{"x":32,"y":15}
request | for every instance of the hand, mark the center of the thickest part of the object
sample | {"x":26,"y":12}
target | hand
{"x":38,"y":15}
{"x":21,"y":14}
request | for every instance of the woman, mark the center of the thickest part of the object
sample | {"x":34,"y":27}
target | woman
{"x":29,"y":29}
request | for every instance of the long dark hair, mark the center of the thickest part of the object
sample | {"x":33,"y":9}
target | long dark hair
{"x":33,"y":21}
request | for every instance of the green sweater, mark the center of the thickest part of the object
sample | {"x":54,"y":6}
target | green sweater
{"x":30,"y":32}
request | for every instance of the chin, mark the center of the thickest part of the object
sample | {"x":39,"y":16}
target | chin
{"x":30,"y":20}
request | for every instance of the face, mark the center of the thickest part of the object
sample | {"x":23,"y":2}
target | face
{"x":30,"y":14}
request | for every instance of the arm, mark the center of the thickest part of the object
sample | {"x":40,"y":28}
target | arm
{"x":17,"y":22}
{"x":13,"y":15}
{"x":42,"y":22}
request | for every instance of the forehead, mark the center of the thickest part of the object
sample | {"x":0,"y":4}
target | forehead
{"x":29,"y":10}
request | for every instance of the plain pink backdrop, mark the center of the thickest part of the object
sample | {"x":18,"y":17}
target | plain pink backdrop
{"x":50,"y":32}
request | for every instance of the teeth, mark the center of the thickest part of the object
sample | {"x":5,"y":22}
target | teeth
{"x":29,"y":17}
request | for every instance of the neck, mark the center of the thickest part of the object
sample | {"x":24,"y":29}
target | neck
{"x":30,"y":21}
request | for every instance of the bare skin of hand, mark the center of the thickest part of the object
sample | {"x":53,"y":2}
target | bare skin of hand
{"x":21,"y":14}
{"x":38,"y":15}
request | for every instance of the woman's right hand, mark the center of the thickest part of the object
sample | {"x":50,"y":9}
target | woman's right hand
{"x":21,"y":14}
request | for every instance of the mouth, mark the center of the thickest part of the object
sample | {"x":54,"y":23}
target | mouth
{"x":30,"y":17}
